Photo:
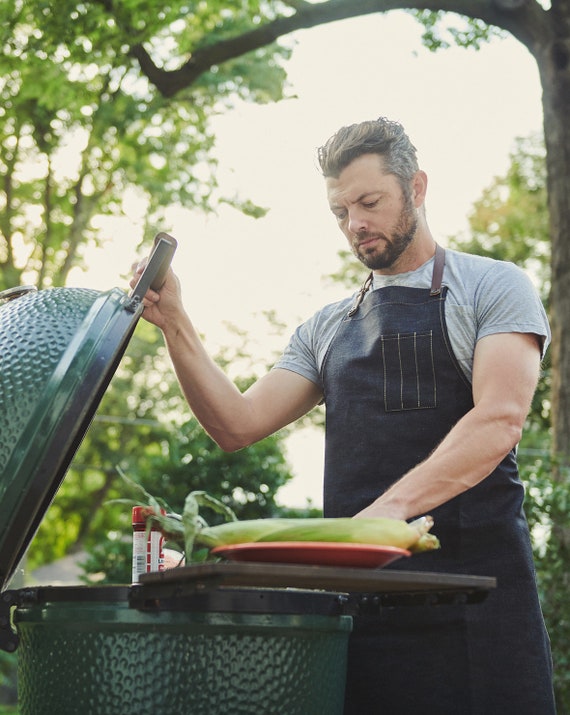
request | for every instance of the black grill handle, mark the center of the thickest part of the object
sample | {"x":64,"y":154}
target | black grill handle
{"x":155,"y":270}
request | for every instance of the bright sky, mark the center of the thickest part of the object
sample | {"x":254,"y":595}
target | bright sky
{"x":462,"y":109}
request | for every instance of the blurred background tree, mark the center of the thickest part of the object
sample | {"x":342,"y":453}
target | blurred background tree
{"x":82,"y":133}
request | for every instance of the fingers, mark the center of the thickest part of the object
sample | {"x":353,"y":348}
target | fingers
{"x":157,"y":305}
{"x":137,"y":268}
{"x":151,"y":297}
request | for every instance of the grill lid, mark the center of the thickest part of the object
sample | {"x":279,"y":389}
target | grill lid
{"x":59,"y":350}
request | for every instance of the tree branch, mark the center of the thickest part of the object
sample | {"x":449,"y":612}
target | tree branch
{"x":524,"y":19}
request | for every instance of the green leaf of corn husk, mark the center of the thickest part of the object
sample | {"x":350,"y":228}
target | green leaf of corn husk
{"x":192,"y":523}
{"x":179,"y":529}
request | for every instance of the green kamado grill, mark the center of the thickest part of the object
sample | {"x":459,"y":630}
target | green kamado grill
{"x":217,"y":639}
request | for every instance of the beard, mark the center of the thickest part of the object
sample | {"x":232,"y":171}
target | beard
{"x":394,"y":244}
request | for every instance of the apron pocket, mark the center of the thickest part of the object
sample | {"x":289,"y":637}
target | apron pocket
{"x":409,"y":375}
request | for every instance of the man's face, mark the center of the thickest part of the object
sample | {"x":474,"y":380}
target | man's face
{"x":372,"y":212}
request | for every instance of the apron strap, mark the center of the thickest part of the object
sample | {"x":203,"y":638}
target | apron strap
{"x":360,"y":295}
{"x":438,"y":266}
{"x":436,"y":279}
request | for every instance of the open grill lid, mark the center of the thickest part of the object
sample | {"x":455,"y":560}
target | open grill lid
{"x":59,"y":349}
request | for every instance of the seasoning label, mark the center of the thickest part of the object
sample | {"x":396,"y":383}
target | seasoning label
{"x":148,"y":552}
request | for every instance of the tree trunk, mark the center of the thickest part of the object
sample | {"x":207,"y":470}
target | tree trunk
{"x":553,"y":59}
{"x":554,"y":65}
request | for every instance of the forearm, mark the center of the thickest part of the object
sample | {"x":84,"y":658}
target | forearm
{"x":505,"y":374}
{"x":234,"y":420}
{"x":215,"y":401}
{"x":467,"y":455}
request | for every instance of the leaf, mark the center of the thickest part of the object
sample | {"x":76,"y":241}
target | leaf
{"x":204,"y":499}
{"x":192,"y":521}
{"x":148,"y":498}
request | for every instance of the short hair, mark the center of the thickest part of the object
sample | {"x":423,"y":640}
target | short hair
{"x":377,"y":136}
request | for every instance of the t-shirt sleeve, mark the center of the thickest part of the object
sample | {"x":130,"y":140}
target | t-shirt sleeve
{"x":299,"y":355}
{"x":507,"y":302}
{"x":309,"y":343}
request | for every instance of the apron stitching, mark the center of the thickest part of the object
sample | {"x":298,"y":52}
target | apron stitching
{"x":418,"y":390}
{"x":401,"y":372}
{"x":385,"y":381}
{"x":434,"y":381}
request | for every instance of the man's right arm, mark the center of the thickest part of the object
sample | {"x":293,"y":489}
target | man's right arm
{"x":233,"y":419}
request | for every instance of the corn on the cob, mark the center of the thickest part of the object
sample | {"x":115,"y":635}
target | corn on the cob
{"x":378,"y":531}
{"x":240,"y":532}
{"x":422,"y":524}
{"x":426,"y":542}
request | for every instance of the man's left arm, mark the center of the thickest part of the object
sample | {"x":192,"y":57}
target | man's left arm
{"x":506,"y":367}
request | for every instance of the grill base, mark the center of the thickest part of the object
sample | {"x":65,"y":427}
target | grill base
{"x":108,"y":659}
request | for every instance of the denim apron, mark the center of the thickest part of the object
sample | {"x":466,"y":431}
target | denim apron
{"x":393,"y":390}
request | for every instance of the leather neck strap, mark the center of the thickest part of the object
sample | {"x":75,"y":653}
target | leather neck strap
{"x":438,"y":266}
{"x":436,"y":280}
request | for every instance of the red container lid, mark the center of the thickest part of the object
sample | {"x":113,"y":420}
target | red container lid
{"x":141,"y":514}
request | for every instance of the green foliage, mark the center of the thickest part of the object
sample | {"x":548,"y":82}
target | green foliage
{"x":80,"y":124}
{"x":510,"y":220}
{"x":109,"y":561}
{"x":246,"y":482}
{"x":351,"y":272}
{"x":8,"y":690}
{"x":444,"y":29}
{"x":547,"y":507}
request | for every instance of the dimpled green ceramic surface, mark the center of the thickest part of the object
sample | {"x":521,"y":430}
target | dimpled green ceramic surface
{"x":108,"y":659}
{"x":35,"y":332}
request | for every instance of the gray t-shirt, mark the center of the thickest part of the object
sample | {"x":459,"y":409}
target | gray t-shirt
{"x":484,"y":297}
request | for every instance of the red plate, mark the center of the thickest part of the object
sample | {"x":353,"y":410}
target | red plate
{"x":315,"y":553}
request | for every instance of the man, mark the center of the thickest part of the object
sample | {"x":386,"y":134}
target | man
{"x":427,"y":376}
